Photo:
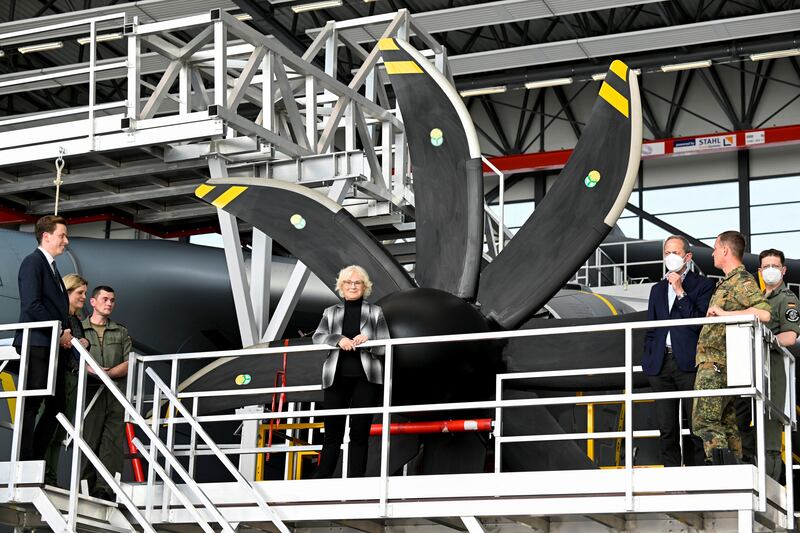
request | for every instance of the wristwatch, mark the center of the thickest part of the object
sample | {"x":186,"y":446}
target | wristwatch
{"x":681,"y":296}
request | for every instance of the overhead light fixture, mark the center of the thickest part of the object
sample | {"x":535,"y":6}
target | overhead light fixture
{"x":244,"y":17}
{"x":775,"y":54}
{"x":2,"y":53}
{"x":101,"y":38}
{"x":40,"y":47}
{"x":686,"y":66}
{"x":483,"y":90}
{"x":600,"y":76}
{"x":313,"y":6}
{"x":548,"y":83}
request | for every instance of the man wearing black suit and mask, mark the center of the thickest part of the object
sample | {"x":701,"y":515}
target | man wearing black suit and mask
{"x":669,"y":353}
{"x":42,"y":297}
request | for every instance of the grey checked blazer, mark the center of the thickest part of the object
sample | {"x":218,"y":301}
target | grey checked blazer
{"x":329,"y":331}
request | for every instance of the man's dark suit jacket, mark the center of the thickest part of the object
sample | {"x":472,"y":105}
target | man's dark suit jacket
{"x":42,"y":297}
{"x":684,"y":339}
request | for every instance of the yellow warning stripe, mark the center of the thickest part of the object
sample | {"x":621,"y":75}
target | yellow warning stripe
{"x":605,"y":301}
{"x":7,"y":382}
{"x":613,"y":97}
{"x":387,"y":44}
{"x":228,"y":196}
{"x":202,"y":190}
{"x":620,"y":69}
{"x":402,"y":67}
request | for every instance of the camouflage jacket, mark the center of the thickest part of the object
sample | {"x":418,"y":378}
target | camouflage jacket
{"x":736,"y":292}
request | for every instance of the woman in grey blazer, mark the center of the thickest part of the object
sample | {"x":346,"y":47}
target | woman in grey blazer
{"x":351,"y":376}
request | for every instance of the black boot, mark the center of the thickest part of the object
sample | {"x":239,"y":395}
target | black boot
{"x":724,"y":456}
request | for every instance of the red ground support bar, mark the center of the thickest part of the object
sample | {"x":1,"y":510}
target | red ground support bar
{"x":440,"y":426}
{"x":136,"y":461}
{"x":679,"y":146}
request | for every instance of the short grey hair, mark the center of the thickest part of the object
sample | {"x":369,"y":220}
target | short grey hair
{"x":686,"y":246}
{"x":345,"y":273}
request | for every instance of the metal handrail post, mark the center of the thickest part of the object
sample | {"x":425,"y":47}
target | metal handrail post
{"x":760,"y":380}
{"x":792,"y":415}
{"x":629,"y":419}
{"x":142,"y":423}
{"x":16,"y":435}
{"x":501,"y":187}
{"x":498,"y":426}
{"x":193,"y":437}
{"x":385,"y":424}
{"x":139,"y":384}
{"x":103,"y":471}
{"x":625,"y":262}
{"x":156,"y":410}
{"x":92,"y":79}
{"x":240,"y":479}
{"x":173,"y":383}
{"x":80,"y":399}
{"x":202,"y":522}
{"x":132,"y":362}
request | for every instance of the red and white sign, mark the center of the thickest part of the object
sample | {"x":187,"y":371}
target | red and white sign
{"x":755,"y":137}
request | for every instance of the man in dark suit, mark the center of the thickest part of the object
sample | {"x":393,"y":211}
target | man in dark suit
{"x":42,"y":297}
{"x":669,"y":353}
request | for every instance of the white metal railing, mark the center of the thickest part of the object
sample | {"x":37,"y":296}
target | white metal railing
{"x":88,"y":70}
{"x":87,"y":361}
{"x":22,"y":392}
{"x":141,"y":367}
{"x":757,"y":389}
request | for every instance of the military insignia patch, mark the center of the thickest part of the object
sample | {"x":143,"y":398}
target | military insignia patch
{"x":792,"y":315}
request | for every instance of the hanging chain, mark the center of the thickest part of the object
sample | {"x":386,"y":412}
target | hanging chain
{"x":58,"y":181}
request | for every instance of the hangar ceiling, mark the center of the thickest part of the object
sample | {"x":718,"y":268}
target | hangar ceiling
{"x":503,"y":44}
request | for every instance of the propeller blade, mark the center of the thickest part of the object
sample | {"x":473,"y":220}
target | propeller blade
{"x":314,"y":228}
{"x":448,"y":173}
{"x":578,"y":211}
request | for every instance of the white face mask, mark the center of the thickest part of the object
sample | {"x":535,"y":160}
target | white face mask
{"x":771,"y":275}
{"x":673,"y":262}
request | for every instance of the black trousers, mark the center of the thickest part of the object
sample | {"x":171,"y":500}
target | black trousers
{"x":347,"y":391}
{"x":672,"y":378}
{"x":35,"y":436}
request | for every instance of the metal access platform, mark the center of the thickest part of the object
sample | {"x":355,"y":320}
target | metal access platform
{"x":627,"y":498}
{"x":242,"y":97}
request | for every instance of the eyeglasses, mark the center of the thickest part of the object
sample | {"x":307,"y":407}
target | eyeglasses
{"x":353,"y":283}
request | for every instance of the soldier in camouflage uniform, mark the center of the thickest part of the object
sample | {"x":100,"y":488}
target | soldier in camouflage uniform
{"x":785,"y":324}
{"x":714,"y":418}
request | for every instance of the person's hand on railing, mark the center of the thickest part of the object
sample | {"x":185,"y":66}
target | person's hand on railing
{"x":347,"y":344}
{"x":84,"y":343}
{"x":66,"y":338}
{"x":91,"y":371}
{"x":716,"y":310}
{"x":360,"y":339}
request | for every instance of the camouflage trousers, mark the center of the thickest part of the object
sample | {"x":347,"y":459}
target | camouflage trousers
{"x":714,"y":418}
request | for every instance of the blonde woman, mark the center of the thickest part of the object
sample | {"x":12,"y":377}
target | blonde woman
{"x":76,"y":293}
{"x":351,"y":376}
